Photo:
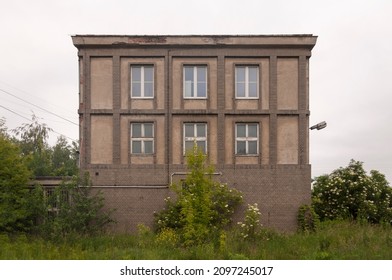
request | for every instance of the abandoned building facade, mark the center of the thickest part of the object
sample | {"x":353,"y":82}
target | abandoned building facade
{"x":244,"y":100}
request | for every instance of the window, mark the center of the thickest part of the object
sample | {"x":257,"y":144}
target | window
{"x":195,"y":133}
{"x":195,"y":82}
{"x":142,"y":138}
{"x":247,"y":139}
{"x":247,"y":82}
{"x":142,"y":81}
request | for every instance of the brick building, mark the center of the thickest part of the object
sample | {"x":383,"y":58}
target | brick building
{"x":244,"y":100}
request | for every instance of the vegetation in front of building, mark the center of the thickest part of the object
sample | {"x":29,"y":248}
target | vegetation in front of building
{"x":349,"y":218}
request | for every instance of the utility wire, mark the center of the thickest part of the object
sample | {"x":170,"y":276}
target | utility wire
{"x":30,"y":120}
{"x":6,"y":92}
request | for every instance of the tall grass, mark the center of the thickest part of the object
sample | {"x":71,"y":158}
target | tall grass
{"x":334,"y":240}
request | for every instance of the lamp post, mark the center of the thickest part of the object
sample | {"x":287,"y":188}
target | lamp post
{"x":319,"y":126}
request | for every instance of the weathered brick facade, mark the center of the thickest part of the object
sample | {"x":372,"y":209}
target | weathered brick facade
{"x":277,"y":176}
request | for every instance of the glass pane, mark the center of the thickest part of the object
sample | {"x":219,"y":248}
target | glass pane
{"x":189,"y":145}
{"x":252,"y":89}
{"x":136,"y":74}
{"x":188,"y":87}
{"x":136,"y":130}
{"x":188,"y":73}
{"x":201,"y":74}
{"x":240,"y":90}
{"x":148,"y":89}
{"x":253,"y":73}
{"x":136,"y":147}
{"x":148,"y":73}
{"x":136,"y":89}
{"x":252,"y":130}
{"x":202,"y":146}
{"x":241,"y":130}
{"x":148,"y":130}
{"x":240,"y":74}
{"x":241,"y":148}
{"x":252,"y":147}
{"x":201,"y":130}
{"x":148,"y":147}
{"x":189,"y":130}
{"x":201,"y":89}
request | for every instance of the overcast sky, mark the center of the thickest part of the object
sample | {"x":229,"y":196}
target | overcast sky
{"x":350,"y":68}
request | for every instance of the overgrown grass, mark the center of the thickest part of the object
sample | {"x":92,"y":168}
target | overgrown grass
{"x":334,"y":240}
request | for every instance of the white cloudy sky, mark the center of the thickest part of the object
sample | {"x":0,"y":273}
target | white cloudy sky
{"x":351,"y":65}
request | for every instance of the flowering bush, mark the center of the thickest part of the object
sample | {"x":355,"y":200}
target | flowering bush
{"x":251,"y":227}
{"x":350,"y":193}
{"x":202,"y":206}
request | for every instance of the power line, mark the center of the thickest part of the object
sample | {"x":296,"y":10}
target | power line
{"x":30,"y":120}
{"x":6,"y":92}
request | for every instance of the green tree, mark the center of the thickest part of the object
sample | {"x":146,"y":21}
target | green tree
{"x":14,"y":194}
{"x":349,"y":192}
{"x":64,"y":158}
{"x":202,"y":207}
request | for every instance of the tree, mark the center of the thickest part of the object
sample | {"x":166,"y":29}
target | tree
{"x":64,"y":158}
{"x":14,"y":194}
{"x":202,"y":206}
{"x":349,"y":192}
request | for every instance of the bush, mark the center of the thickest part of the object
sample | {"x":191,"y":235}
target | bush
{"x":351,"y":193}
{"x":308,"y":220}
{"x":251,"y":228}
{"x":202,"y":206}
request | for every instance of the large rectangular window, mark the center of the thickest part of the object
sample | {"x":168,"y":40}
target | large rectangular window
{"x":247,"y":138}
{"x":247,"y":82}
{"x":142,"y":138}
{"x":142,"y":81}
{"x":195,"y":82}
{"x":195,"y":133}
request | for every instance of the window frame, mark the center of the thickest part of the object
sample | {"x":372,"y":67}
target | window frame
{"x":194,"y":81}
{"x":247,"y":139}
{"x":142,"y":81}
{"x":246,"y":82}
{"x":195,"y":138}
{"x":142,"y":139}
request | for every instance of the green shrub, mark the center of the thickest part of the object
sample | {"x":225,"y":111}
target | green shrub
{"x":308,"y":220}
{"x":250,"y":229}
{"x":202,"y":206}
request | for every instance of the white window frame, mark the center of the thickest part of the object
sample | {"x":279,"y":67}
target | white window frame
{"x":142,"y":138}
{"x":195,"y":138}
{"x":142,"y":82}
{"x":247,"y":139}
{"x":247,"y":82}
{"x":195,"y":84}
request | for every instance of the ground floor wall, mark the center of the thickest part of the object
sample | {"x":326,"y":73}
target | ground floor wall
{"x":278,"y":190}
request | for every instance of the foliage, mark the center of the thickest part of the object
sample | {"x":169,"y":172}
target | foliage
{"x":202,"y":206}
{"x":351,"y":193}
{"x":64,"y":158}
{"x":14,"y":195}
{"x":74,"y":208}
{"x":308,"y":220}
{"x":251,"y":228}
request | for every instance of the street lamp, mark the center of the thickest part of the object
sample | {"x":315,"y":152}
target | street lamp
{"x":319,"y":126}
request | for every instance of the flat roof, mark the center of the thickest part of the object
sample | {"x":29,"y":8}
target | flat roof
{"x":287,"y":40}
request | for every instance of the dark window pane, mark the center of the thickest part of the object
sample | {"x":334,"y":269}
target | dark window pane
{"x":136,"y":130}
{"x":148,"y":147}
{"x":201,"y":130}
{"x":252,"y":130}
{"x":252,"y":147}
{"x":148,"y":89}
{"x":136,"y":74}
{"x":240,"y":74}
{"x":241,"y":148}
{"x":148,"y":130}
{"x":201,"y":74}
{"x":189,"y":145}
{"x":240,"y":90}
{"x":201,"y":89}
{"x":189,"y":130}
{"x":253,"y":90}
{"x":201,"y":145}
{"x":136,"y":89}
{"x":241,"y":132}
{"x":148,"y":74}
{"x":136,"y":147}
{"x":188,"y":74}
